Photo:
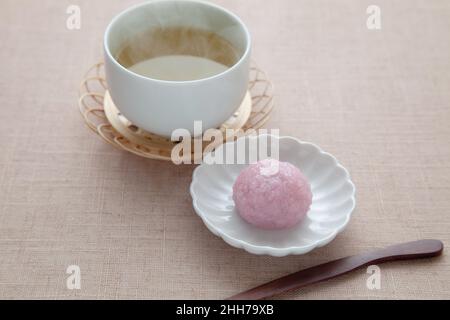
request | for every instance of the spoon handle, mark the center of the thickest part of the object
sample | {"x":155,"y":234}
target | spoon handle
{"x":403,"y":251}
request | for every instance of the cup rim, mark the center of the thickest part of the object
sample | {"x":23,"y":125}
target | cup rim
{"x":137,"y":6}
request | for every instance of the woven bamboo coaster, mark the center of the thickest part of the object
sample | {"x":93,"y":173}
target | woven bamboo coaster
{"x":103,"y":117}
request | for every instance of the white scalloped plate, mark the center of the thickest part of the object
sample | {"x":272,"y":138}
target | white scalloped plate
{"x":332,"y":205}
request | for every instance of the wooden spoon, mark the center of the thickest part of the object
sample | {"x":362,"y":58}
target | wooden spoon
{"x":403,"y":251}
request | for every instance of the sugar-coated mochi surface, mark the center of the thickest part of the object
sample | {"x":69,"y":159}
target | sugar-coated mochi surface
{"x":271,"y":194}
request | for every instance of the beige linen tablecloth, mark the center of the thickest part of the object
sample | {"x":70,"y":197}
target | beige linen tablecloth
{"x":379,"y":100}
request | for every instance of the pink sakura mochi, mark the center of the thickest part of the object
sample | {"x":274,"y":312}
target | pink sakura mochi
{"x":271,"y":194}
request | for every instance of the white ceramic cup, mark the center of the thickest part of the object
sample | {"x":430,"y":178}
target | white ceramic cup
{"x":161,"y":106}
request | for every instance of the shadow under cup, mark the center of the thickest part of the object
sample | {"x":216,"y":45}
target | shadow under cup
{"x":177,"y":28}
